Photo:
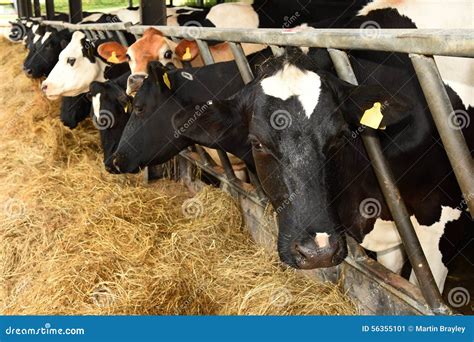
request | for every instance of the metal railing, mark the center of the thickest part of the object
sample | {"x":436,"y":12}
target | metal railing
{"x":419,"y":44}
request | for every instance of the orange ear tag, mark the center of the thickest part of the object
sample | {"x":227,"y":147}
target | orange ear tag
{"x":187,"y":55}
{"x":113,"y":58}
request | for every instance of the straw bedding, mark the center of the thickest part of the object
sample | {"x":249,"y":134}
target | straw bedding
{"x":76,"y":240}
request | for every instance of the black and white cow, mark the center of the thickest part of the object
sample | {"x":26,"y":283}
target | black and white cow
{"x":111,"y":111}
{"x":77,"y":67}
{"x":44,"y":52}
{"x":164,"y":93}
{"x":302,"y":125}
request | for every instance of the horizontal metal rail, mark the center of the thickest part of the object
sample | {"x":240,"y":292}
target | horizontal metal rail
{"x":453,"y":42}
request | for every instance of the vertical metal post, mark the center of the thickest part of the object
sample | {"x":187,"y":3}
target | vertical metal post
{"x":444,"y":117}
{"x":394,"y":200}
{"x":75,"y":11}
{"x":241,"y":61}
{"x":37,"y":8}
{"x":50,"y":9}
{"x":29,"y":9}
{"x":130,"y":3}
{"x":208,"y":59}
{"x":153,"y":12}
{"x":22,"y":11}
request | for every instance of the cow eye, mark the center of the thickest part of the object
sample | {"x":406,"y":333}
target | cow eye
{"x":71,"y":61}
{"x":127,"y":56}
{"x":168,"y":54}
{"x":257,"y":145}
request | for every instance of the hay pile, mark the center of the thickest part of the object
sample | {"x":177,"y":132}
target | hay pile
{"x":76,"y":240}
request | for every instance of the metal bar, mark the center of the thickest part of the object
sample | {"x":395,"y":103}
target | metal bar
{"x":49,"y":9}
{"x":37,"y":8}
{"x":421,"y":41}
{"x":153,"y":12}
{"x":394,"y":200}
{"x":109,"y":34}
{"x":22,"y":11}
{"x":29,"y":9}
{"x":88,"y":35}
{"x":241,"y":61}
{"x":208,"y":59}
{"x":121,"y":38}
{"x":75,"y":11}
{"x":205,"y":157}
{"x":449,"y":131}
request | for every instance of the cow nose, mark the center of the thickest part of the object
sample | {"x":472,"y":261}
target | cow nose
{"x":134,"y":83}
{"x":321,"y":251}
{"x":112,"y":164}
{"x":28,"y":72}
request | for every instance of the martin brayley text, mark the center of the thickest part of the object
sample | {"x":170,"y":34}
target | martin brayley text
{"x":456,"y":329}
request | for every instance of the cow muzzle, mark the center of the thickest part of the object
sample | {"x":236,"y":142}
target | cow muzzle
{"x":134,"y":83}
{"x":321,"y":251}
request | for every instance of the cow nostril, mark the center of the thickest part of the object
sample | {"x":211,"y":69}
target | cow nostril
{"x":44,"y":87}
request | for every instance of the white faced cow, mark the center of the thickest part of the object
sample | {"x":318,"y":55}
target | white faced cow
{"x":78,"y":66}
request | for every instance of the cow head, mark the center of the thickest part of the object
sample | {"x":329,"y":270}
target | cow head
{"x":74,"y":109}
{"x":149,"y":137}
{"x":76,"y":69}
{"x":152,"y":46}
{"x":111,"y":111}
{"x":44,"y":55}
{"x":301,"y":120}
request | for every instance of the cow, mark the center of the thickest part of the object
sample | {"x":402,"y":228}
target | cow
{"x":111,"y":111}
{"x":302,"y":126}
{"x":164,"y":93}
{"x":43,"y":54}
{"x":74,"y":109}
{"x":77,"y":67}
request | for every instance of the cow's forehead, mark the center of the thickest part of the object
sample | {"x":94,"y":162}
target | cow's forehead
{"x":292,"y":81}
{"x":74,"y":48}
{"x":147,"y":45}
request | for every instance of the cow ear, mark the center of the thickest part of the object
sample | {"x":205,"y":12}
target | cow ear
{"x":113,"y":52}
{"x":370,"y":105}
{"x":159,"y":73}
{"x":186,"y":50}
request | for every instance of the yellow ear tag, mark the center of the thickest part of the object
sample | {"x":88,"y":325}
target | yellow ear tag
{"x":187,"y":55}
{"x":113,"y":58}
{"x":166,"y":80}
{"x":373,"y":116}
{"x":126,"y":107}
